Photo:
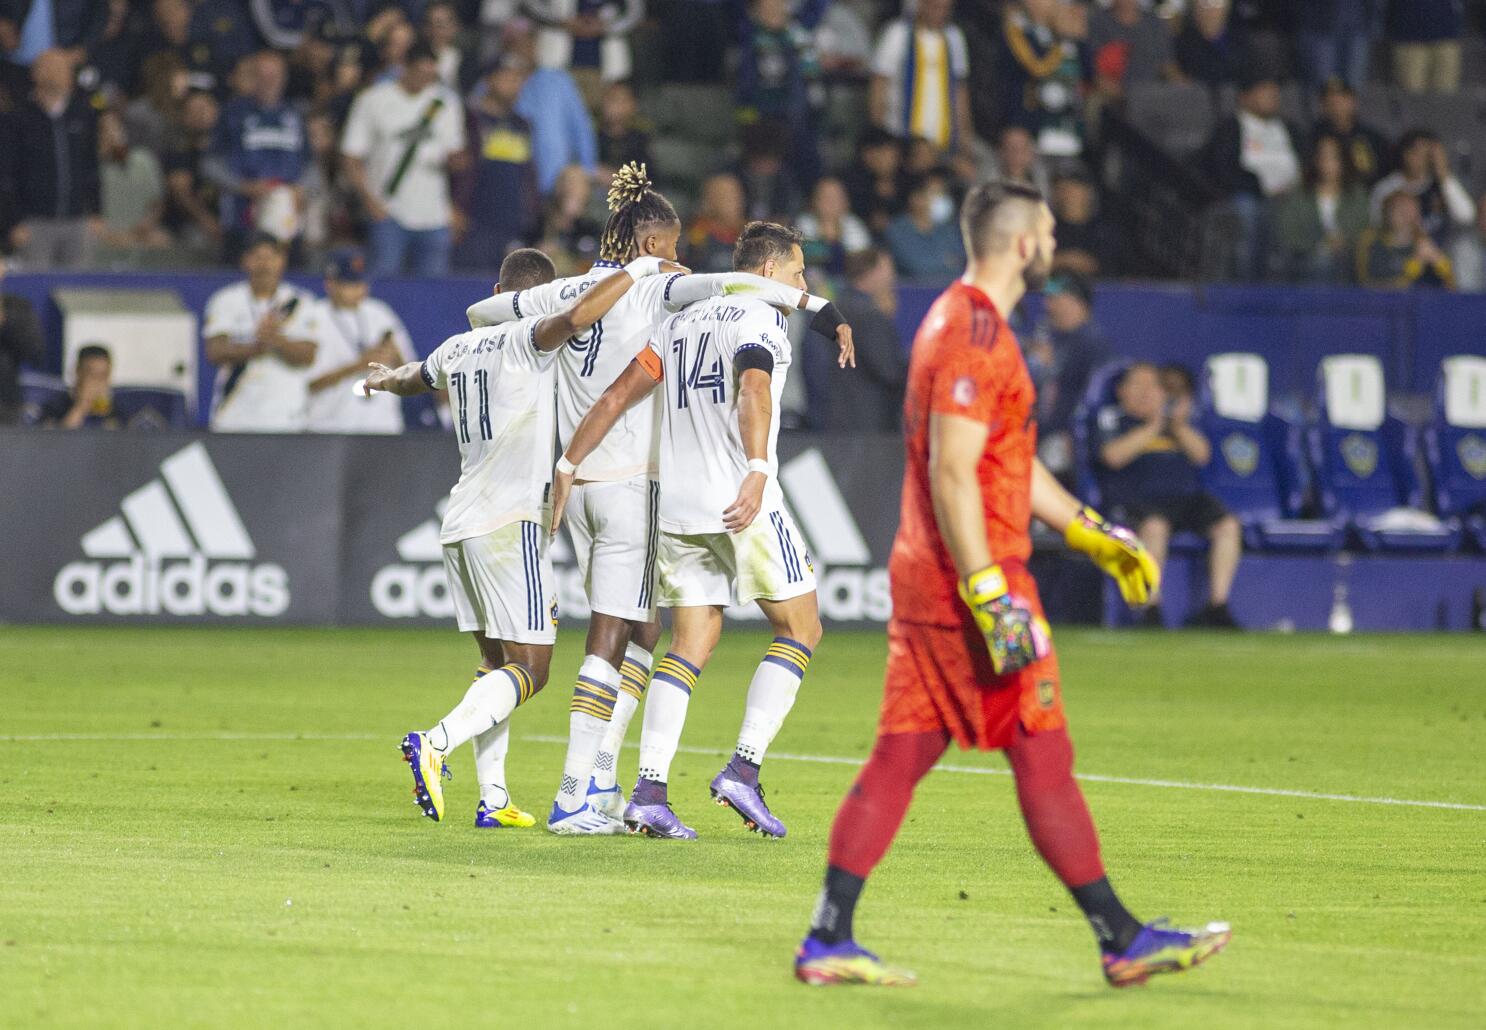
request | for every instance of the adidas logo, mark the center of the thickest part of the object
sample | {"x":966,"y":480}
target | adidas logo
{"x":178,"y":547}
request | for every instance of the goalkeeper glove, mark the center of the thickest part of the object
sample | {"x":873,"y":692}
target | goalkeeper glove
{"x":1115,"y":550}
{"x":1015,"y":637}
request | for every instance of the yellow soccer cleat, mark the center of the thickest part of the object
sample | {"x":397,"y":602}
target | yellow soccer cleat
{"x":508,"y":818}
{"x":820,"y":964}
{"x":429,"y":773}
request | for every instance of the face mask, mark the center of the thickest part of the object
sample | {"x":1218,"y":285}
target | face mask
{"x":941,"y":209}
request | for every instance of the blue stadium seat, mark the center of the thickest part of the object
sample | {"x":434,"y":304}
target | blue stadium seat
{"x":420,"y":411}
{"x":1364,"y":462}
{"x":1256,"y":463}
{"x":140,"y":407}
{"x":1455,"y":446}
{"x":37,"y":391}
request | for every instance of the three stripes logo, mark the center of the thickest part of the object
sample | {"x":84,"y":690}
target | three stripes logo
{"x":178,"y":547}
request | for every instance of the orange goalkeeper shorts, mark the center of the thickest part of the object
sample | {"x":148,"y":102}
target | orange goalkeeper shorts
{"x":940,"y":679}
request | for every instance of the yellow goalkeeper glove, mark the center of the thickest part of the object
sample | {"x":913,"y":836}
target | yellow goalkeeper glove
{"x":1015,"y":637}
{"x":1115,"y":550}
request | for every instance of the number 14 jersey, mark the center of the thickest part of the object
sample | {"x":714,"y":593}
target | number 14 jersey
{"x":702,"y":461}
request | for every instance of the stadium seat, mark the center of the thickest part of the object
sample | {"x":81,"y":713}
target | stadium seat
{"x":1364,"y":462}
{"x":1256,"y":458}
{"x":1455,"y":445}
{"x":38,"y":390}
{"x":1177,"y":117}
{"x":141,"y":407}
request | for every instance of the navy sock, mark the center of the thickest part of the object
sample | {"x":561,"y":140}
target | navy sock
{"x":831,"y":923}
{"x":649,"y":792}
{"x":744,"y":770}
{"x":1112,"y":922}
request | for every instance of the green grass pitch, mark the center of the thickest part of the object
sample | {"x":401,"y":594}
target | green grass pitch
{"x":212,"y":828}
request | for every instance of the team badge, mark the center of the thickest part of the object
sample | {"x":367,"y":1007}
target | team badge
{"x":1472,"y":451}
{"x":809,"y":562}
{"x":1360,"y":454}
{"x":1241,"y":451}
{"x":1047,"y":692}
{"x":554,"y":613}
{"x":964,"y":391}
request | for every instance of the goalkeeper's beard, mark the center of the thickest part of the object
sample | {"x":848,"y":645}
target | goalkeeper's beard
{"x":1039,"y":267}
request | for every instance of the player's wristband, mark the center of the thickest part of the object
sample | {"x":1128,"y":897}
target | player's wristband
{"x":564,"y":466}
{"x":1084,"y":525}
{"x":827,"y":320}
{"x":984,"y":586}
{"x":640,"y":267}
{"x":760,"y":466}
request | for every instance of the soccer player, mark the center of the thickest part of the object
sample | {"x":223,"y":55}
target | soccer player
{"x":501,"y":385}
{"x":613,"y":507}
{"x":726,"y":537}
{"x":970,"y":659}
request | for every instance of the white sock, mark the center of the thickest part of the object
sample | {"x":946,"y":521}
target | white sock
{"x":490,"y":765}
{"x":588,"y":716}
{"x":634,"y":677}
{"x":771,"y":695}
{"x":491,"y":699}
{"x":665,"y":715}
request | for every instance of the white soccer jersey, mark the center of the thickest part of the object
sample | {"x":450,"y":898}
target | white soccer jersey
{"x":264,"y":395}
{"x":500,"y":395}
{"x":702,"y":461}
{"x":345,"y":334}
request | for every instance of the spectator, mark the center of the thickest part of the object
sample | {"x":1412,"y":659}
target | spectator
{"x":843,"y":39}
{"x":1208,"y":50}
{"x":176,"y":27}
{"x":355,"y":329}
{"x":1016,"y":160}
{"x":925,"y":240}
{"x":21,"y":343}
{"x":1401,"y":254}
{"x":868,"y":398}
{"x":1363,"y":148}
{"x":401,"y":141}
{"x":770,"y":188}
{"x":1426,"y":44}
{"x":1424,"y":171}
{"x":918,"y":87}
{"x":588,"y":38}
{"x":260,"y":333}
{"x":1317,"y":227}
{"x":191,"y":197}
{"x":132,"y":192}
{"x":90,"y":403}
{"x":51,"y":169}
{"x":1128,"y":44}
{"x":1087,"y":244}
{"x":570,"y":236}
{"x":441,"y":29}
{"x":623,"y":136}
{"x":1042,"y":77}
{"x":1150,"y":455}
{"x":875,"y":180}
{"x":1468,"y":254}
{"x":831,"y":232}
{"x":777,"y":72}
{"x":499,"y":193}
{"x":259,"y":155}
{"x":1335,"y":39}
{"x":325,"y":211}
{"x":1252,"y":157}
{"x":1066,"y":349}
{"x":561,"y":130}
{"x":714,"y":229}
{"x":150,"y":118}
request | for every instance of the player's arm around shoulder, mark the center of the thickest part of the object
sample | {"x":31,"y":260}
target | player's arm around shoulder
{"x":513,"y":305}
{"x":593,"y":304}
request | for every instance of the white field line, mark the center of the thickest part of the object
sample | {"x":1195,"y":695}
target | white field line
{"x":971,"y":770}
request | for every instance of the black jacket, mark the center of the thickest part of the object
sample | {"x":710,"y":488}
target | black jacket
{"x":20,"y":344}
{"x":868,"y":398}
{"x":1220,"y":159}
{"x":50,"y":165}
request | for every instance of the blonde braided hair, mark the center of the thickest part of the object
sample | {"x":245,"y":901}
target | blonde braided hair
{"x":633,"y":204}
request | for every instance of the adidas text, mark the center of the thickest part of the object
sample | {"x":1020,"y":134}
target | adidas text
{"x":187,"y":587}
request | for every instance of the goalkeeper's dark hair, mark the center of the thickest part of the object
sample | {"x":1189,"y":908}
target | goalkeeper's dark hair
{"x":635,"y":208}
{"x":994,"y":212}
{"x":760,"y":241}
{"x":522,"y":269}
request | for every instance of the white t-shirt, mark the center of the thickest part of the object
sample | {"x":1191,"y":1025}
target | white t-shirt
{"x":702,"y":461}
{"x":265,"y":394}
{"x":501,"y":398}
{"x":345,"y":334}
{"x":940,"y":59}
{"x":1266,"y":151}
{"x":384,"y":120}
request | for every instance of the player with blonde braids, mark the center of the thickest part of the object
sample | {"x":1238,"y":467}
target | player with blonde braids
{"x":612,"y":512}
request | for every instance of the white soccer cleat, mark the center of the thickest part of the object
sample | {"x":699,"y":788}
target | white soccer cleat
{"x":609,"y":802}
{"x":585,"y":822}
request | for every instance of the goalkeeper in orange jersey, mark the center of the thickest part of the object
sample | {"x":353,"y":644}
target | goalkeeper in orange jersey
{"x":970,"y":656}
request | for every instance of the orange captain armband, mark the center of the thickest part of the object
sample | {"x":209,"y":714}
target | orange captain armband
{"x":650,"y":362}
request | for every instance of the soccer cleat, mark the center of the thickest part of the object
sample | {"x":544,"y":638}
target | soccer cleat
{"x":747,"y":799}
{"x":429,"y":772}
{"x":1159,"y":948}
{"x":656,"y":821}
{"x":607,"y":801}
{"x":582,"y":822}
{"x":508,"y":818}
{"x":820,"y":964}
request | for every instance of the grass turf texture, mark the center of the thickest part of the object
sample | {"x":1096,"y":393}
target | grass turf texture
{"x":232,"y":872}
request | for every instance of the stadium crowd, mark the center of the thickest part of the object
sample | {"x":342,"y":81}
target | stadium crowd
{"x":440,"y":133}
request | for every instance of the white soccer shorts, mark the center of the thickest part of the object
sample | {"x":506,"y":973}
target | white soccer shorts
{"x":767,"y":560}
{"x":502,"y":584}
{"x":613,"y":526}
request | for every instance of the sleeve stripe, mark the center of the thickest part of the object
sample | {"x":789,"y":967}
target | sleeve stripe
{"x":516,"y":303}
{"x":666,"y":298}
{"x":427,"y":375}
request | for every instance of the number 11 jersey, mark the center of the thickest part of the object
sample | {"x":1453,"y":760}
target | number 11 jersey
{"x":502,"y":399}
{"x":702,"y":461}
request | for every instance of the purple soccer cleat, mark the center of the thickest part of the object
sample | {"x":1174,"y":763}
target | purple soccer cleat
{"x":737,"y":787}
{"x":847,"y":962}
{"x":649,"y":813}
{"x":1162,"y":948}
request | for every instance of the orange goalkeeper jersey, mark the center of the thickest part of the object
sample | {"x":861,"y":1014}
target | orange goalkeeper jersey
{"x":965,"y":362}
